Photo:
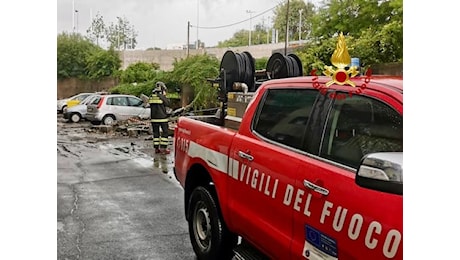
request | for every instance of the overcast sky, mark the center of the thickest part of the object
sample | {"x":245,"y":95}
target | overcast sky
{"x":160,"y":23}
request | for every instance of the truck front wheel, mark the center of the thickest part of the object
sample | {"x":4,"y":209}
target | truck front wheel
{"x":208,"y":234}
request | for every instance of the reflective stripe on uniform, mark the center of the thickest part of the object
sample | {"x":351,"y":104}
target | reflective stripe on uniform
{"x":162,"y":120}
{"x":154,"y":99}
{"x":164,"y":141}
{"x":156,"y":141}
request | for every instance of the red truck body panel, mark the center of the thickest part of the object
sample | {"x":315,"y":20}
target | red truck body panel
{"x":264,"y":199}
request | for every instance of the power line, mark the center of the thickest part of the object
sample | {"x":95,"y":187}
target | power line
{"x":229,"y":25}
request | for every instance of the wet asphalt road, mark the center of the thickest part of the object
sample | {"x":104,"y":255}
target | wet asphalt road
{"x":114,"y":201}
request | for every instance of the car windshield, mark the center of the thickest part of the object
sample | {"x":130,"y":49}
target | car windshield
{"x":87,"y":100}
{"x":81,"y":97}
{"x":95,"y":100}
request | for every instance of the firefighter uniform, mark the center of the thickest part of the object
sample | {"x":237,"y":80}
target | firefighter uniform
{"x":159,"y":118}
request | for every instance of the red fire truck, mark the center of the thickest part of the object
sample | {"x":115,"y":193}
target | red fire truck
{"x":295,"y":167}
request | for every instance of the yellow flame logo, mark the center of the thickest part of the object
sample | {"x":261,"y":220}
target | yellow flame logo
{"x":340,"y":59}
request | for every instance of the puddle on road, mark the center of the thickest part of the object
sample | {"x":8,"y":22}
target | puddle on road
{"x":138,"y":148}
{"x":144,"y":162}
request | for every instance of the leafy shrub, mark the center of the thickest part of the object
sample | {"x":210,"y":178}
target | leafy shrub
{"x":194,"y":72}
{"x":101,"y":63}
{"x":139,"y":72}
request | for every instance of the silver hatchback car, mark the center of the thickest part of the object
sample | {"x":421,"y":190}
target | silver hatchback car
{"x":107,"y":109}
{"x":78,"y":112}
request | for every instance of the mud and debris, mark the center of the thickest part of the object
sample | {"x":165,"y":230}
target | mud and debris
{"x":133,"y":136}
{"x":116,"y":196}
{"x":133,"y":127}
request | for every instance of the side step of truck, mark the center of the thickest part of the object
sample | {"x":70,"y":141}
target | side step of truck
{"x":245,"y":251}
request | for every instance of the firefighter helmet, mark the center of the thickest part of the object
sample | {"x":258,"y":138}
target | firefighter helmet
{"x":159,"y":87}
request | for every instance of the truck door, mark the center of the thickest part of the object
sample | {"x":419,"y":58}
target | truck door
{"x":263,"y":163}
{"x":338,"y":219}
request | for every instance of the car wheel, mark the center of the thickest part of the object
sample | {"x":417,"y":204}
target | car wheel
{"x":63,"y":109}
{"x":108,"y":120}
{"x":208,"y":234}
{"x":75,"y":117}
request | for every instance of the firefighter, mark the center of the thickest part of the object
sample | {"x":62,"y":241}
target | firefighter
{"x":159,"y":118}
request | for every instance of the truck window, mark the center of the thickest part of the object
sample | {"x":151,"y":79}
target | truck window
{"x":360,"y":125}
{"x":284,"y":114}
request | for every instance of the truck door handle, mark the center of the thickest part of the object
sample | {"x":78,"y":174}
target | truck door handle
{"x":245,"y":156}
{"x":315,"y":187}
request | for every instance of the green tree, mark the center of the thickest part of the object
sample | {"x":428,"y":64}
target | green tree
{"x":121,"y":35}
{"x":73,"y":51}
{"x":241,"y":37}
{"x":194,"y":72}
{"x":102,"y":63}
{"x":139,"y":72}
{"x":350,"y":17}
{"x":294,"y":18}
{"x":97,"y":30}
{"x":373,"y":29}
{"x":137,"y":88}
{"x":259,"y":35}
{"x":382,"y":46}
{"x":316,"y":55}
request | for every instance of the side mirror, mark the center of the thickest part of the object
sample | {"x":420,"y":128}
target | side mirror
{"x":382,"y":172}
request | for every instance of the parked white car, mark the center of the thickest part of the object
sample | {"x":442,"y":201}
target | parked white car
{"x":76,"y":113}
{"x":107,"y":109}
{"x":62,"y":103}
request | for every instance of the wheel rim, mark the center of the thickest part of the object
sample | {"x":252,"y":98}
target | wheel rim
{"x":108,"y":120}
{"x":75,"y":118}
{"x":202,"y":226}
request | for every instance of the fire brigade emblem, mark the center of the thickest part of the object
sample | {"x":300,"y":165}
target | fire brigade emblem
{"x":340,"y":59}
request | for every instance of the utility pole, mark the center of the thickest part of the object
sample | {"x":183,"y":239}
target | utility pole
{"x":268,"y":30}
{"x":73,"y":16}
{"x":76,"y":11}
{"x":300,"y":25}
{"x":132,"y":37}
{"x":91,"y":18}
{"x":287,"y":29}
{"x":188,"y":38}
{"x":250,"y":24}
{"x":197,"y":23}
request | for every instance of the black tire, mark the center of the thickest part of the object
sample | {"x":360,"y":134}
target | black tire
{"x":108,"y":120}
{"x":63,"y":109}
{"x":75,"y":117}
{"x":208,"y":234}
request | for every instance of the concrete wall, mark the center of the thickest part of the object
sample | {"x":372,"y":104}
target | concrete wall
{"x":165,"y":58}
{"x":72,"y":86}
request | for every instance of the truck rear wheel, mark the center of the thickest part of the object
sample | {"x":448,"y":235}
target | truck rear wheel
{"x":208,"y":233}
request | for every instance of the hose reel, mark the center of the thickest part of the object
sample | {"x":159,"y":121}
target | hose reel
{"x":240,"y":68}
